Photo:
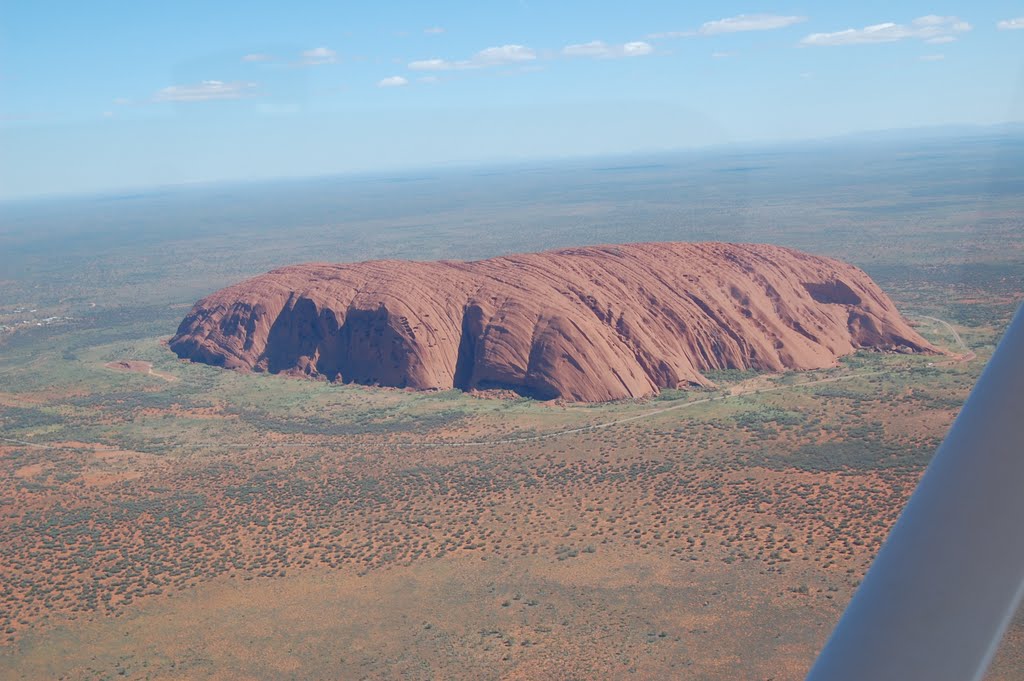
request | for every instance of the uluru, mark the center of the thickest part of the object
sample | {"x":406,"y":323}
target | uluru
{"x":589,"y":324}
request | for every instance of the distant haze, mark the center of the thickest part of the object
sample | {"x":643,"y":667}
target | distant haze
{"x":196,"y":92}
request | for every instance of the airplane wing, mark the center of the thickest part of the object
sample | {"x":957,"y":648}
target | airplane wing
{"x":946,"y":583}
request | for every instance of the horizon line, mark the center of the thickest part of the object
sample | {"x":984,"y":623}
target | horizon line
{"x":944,"y":130}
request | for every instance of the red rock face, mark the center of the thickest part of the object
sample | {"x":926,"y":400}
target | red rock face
{"x":588,"y":324}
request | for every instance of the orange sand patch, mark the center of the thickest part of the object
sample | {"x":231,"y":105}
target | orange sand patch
{"x":30,"y":471}
{"x":97,"y":479}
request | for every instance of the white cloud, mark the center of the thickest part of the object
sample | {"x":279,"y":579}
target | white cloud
{"x":318,"y":56}
{"x":433,"y":30}
{"x":601,"y":50}
{"x":393,"y":81}
{"x":505,"y":54}
{"x":208,"y":90}
{"x":637,"y":48}
{"x":931,"y":57}
{"x":1014,"y":24}
{"x":431,"y":65}
{"x":108,"y":114}
{"x":122,"y":101}
{"x":671,"y":34}
{"x":492,"y":56}
{"x":736,"y":24}
{"x":723,"y":55}
{"x":257,"y":57}
{"x":931,"y":29}
{"x":749,"y":22}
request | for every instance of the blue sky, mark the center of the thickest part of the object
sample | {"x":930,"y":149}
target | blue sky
{"x":102,"y":96}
